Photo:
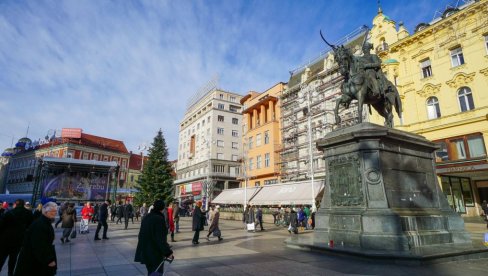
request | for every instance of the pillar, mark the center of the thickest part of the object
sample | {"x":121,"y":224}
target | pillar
{"x":262,"y":116}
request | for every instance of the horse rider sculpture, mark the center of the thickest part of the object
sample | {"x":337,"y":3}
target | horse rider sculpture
{"x":365,"y":82}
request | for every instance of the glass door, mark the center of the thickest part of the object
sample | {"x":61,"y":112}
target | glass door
{"x":457,"y":195}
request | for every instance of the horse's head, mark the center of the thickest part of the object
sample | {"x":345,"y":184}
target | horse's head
{"x":343,"y":59}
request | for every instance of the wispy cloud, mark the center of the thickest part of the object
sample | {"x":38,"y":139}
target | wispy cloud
{"x":124,"y":69}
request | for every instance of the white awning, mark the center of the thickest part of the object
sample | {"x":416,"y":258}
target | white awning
{"x":235,"y":196}
{"x":288,"y":194}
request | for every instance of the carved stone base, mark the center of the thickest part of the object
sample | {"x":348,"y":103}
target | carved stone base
{"x":382,"y":192}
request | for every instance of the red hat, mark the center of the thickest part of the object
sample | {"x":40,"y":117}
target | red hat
{"x":5,"y":205}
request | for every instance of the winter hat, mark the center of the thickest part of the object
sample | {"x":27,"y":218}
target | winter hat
{"x":5,"y":205}
{"x":159,"y":205}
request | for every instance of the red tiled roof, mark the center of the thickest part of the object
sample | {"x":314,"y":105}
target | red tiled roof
{"x":91,"y":141}
{"x":135,"y":161}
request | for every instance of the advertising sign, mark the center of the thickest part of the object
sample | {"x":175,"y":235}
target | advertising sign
{"x":77,"y":186}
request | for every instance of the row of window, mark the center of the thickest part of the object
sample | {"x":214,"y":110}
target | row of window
{"x":457,"y":59}
{"x":231,"y":170}
{"x":231,"y":98}
{"x":258,"y":162}
{"x":232,"y":108}
{"x":221,"y":118}
{"x":459,"y":148}
{"x":465,"y":99}
{"x":266,"y":182}
{"x":220,"y":131}
{"x":258,"y":140}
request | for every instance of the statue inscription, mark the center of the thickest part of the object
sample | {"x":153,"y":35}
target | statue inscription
{"x":345,"y":181}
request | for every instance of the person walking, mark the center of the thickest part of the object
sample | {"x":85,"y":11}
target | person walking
{"x":293,"y":227}
{"x":251,"y":218}
{"x":102,"y":220}
{"x":120,"y":212}
{"x":259,"y":218}
{"x":198,"y":222}
{"x":94,"y":217}
{"x":128,"y":214}
{"x":37,"y":212}
{"x":211,"y":214}
{"x":38,"y":255}
{"x":214,"y":226}
{"x":60,"y":213}
{"x":12,"y":229}
{"x":69,"y":221}
{"x":171,"y":222}
{"x":113,"y":212}
{"x":143,"y":211}
{"x":308,"y":218}
{"x":176,"y":216}
{"x":86,"y":215}
{"x":152,"y":245}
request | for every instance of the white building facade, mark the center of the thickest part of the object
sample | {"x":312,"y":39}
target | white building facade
{"x":209,"y":145}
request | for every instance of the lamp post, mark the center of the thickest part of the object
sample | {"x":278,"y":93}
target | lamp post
{"x":207,"y":187}
{"x":307,"y":90}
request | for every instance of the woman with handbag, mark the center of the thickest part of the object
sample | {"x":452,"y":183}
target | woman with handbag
{"x":68,"y":222}
{"x":214,"y":226}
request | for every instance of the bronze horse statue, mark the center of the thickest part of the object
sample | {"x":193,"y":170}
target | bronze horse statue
{"x":360,"y":75}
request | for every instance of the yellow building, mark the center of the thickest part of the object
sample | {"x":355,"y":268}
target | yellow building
{"x":261,"y":136}
{"x":441,"y":71}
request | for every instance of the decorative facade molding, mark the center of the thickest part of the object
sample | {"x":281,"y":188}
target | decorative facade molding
{"x":429,"y":89}
{"x":422,"y":51}
{"x":484,"y":71}
{"x":460,"y":79}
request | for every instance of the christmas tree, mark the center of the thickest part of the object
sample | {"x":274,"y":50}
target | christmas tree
{"x":156,"y":181}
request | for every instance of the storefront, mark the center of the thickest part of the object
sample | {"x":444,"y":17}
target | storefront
{"x":465,"y":186}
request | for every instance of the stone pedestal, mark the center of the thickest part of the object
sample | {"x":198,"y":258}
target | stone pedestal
{"x":382,"y":192}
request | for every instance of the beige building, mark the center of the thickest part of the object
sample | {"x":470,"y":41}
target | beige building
{"x":209,"y":144}
{"x":441,"y":70}
{"x":261,"y":136}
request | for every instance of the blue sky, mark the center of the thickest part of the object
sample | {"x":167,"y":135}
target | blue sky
{"x":124,"y":69}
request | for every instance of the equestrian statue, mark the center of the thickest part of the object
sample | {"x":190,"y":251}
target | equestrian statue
{"x":365,"y":82}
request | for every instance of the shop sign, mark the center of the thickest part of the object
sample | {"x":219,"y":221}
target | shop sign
{"x":197,"y":186}
{"x":462,"y":169}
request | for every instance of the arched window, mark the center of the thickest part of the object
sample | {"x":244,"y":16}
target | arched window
{"x":465,"y":99}
{"x":433,"y":109}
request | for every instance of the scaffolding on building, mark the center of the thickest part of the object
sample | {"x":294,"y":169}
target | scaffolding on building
{"x":307,"y":108}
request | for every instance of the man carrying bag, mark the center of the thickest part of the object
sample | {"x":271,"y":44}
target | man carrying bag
{"x":152,"y":246}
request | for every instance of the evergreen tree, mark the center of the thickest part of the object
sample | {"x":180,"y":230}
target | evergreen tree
{"x":156,"y":181}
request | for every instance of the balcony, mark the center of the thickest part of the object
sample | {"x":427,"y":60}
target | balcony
{"x":383,"y":47}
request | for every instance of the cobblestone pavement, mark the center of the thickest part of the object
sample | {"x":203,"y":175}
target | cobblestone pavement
{"x":240,"y":253}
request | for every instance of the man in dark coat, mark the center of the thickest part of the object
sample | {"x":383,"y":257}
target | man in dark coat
{"x":38,"y":255}
{"x":198,"y":221}
{"x":102,"y":220}
{"x":152,"y":245}
{"x":12,"y":228}
{"x":128,"y":209}
{"x":120,"y":212}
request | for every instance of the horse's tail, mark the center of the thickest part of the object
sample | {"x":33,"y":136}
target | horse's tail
{"x":398,"y":104}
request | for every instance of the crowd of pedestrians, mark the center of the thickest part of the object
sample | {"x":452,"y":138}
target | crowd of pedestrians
{"x":27,"y":235}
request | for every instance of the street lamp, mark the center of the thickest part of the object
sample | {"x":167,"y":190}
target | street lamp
{"x":307,"y":91}
{"x":208,"y":184}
